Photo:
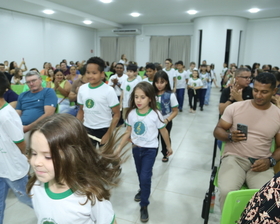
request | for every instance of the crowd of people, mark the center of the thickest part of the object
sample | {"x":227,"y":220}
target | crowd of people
{"x":63,"y":105}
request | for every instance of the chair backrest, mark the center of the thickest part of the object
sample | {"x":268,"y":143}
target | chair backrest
{"x":235,"y":204}
{"x":141,"y":73}
{"x":18,"y":89}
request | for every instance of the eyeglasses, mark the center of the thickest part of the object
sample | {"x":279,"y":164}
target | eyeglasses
{"x":31,"y":81}
{"x":246,"y":77}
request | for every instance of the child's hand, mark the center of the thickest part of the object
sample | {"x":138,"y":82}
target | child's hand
{"x":169,"y":151}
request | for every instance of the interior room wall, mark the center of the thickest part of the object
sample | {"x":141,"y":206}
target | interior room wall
{"x":262,"y":42}
{"x":39,"y":39}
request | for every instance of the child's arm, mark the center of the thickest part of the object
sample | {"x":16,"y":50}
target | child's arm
{"x":121,"y":100}
{"x":165,"y":136}
{"x":125,"y":138}
{"x":174,"y":84}
{"x":80,"y":114}
{"x":114,"y":122}
{"x":22,"y":147}
{"x":172,"y":115}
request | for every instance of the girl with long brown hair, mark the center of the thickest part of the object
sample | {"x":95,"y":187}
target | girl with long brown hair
{"x":71,"y":180}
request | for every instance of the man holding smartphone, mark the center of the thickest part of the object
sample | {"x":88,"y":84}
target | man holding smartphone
{"x":262,"y":119}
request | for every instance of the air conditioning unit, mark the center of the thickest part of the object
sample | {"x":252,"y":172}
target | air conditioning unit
{"x":127,"y":31}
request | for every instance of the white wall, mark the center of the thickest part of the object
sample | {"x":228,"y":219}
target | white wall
{"x":262,"y":42}
{"x":39,"y":39}
{"x":214,"y":38}
{"x":142,"y":52}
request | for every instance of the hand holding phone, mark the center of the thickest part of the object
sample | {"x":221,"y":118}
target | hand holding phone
{"x":243,"y":129}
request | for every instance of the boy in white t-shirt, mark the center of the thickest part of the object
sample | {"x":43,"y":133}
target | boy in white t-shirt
{"x":150,"y":71}
{"x":98,"y":102}
{"x":171,"y":74}
{"x":116,"y":81}
{"x":127,"y":87}
{"x":14,"y":166}
{"x":182,"y":77}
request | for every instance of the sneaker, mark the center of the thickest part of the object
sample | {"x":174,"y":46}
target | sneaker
{"x":138,"y":196}
{"x":144,"y":215}
{"x":201,"y":108}
{"x":191,"y":111}
{"x":180,"y":110}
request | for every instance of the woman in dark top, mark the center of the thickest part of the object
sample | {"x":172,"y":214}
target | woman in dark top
{"x":10,"y":96}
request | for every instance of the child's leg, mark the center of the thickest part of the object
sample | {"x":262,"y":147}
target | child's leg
{"x":180,"y":97}
{"x":3,"y":194}
{"x":202,"y":97}
{"x":195,"y":100}
{"x":190,"y":93}
{"x":163,"y":145}
{"x":144,"y":160}
{"x":207,"y":95}
{"x":19,"y":188}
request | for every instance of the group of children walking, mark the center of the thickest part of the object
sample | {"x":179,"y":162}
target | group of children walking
{"x":72,"y":179}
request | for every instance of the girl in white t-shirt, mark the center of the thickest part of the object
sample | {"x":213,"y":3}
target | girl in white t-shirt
{"x":194,"y":84}
{"x":18,"y":78}
{"x":167,"y":104}
{"x":71,"y":179}
{"x":143,"y":123}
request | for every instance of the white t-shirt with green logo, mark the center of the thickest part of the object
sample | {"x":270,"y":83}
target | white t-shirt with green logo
{"x":67,"y":207}
{"x":97,"y":102}
{"x":145,"y":127}
{"x":171,"y":74}
{"x":147,"y":80}
{"x":203,"y":78}
{"x":13,"y":164}
{"x":195,"y":82}
{"x":181,"y":79}
{"x":127,"y":88}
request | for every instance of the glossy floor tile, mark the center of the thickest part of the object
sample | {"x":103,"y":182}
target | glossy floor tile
{"x":178,"y":187}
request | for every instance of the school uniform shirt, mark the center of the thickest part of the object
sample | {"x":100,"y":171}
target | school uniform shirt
{"x":181,"y":79}
{"x":120,"y":81}
{"x":171,"y":74}
{"x":127,"y":88}
{"x":145,"y":127}
{"x":67,"y":207}
{"x":195,"y":82}
{"x":148,"y":80}
{"x":22,"y":81}
{"x":173,"y":103}
{"x":203,"y":78}
{"x":13,"y":164}
{"x":97,"y":103}
{"x":139,"y":78}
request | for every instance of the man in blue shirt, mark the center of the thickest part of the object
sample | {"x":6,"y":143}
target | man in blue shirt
{"x":37,"y":103}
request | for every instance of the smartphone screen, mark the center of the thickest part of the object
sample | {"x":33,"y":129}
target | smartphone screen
{"x":243,"y":128}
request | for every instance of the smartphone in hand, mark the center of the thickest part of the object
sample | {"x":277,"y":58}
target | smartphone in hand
{"x":243,"y":128}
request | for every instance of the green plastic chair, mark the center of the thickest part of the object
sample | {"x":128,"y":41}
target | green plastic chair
{"x":18,"y":89}
{"x":235,"y":204}
{"x":141,"y":73}
{"x":108,"y":75}
{"x":44,"y":77}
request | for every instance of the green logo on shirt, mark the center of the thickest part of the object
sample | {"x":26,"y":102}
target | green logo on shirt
{"x":139,"y":128}
{"x":179,"y":77}
{"x":128,"y":88}
{"x":48,"y":221}
{"x":89,"y":103}
{"x":194,"y":84}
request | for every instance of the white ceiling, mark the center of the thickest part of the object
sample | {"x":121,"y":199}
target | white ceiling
{"x":116,"y":14}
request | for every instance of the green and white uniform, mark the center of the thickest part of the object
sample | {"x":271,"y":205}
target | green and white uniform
{"x":67,"y":207}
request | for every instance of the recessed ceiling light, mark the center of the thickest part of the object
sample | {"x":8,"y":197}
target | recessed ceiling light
{"x":135,"y":14}
{"x":106,"y":1}
{"x":88,"y":22}
{"x":254,"y":10}
{"x":192,"y":12}
{"x":48,"y":11}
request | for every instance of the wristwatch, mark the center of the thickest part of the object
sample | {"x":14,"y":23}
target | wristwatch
{"x":272,"y":161}
{"x":230,"y":137}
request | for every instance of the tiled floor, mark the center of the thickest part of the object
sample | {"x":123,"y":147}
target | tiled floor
{"x":178,"y":187}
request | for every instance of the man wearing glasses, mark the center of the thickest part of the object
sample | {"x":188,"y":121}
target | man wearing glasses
{"x":37,"y":103}
{"x":239,"y":91}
